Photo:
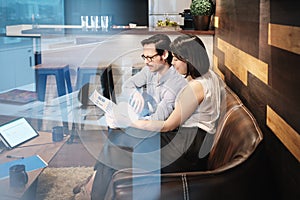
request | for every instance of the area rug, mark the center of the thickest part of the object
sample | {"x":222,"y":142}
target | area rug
{"x":17,"y":96}
{"x":58,"y":183}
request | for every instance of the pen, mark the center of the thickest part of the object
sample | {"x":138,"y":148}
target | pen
{"x":12,"y":156}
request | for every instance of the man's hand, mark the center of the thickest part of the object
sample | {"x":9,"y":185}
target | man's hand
{"x":137,"y":102}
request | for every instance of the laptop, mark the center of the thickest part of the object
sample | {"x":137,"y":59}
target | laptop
{"x":16,"y":132}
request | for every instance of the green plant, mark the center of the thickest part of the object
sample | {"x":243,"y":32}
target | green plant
{"x":201,"y":7}
{"x":167,"y":22}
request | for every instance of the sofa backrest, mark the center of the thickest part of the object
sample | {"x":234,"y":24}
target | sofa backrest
{"x":228,"y":100}
{"x":237,"y":134}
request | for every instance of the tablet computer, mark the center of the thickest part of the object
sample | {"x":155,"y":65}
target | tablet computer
{"x":17,"y":132}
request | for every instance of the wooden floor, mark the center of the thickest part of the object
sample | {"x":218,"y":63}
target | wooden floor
{"x":83,"y":151}
{"x":73,"y":155}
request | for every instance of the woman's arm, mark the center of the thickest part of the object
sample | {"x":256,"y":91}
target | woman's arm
{"x":188,"y":101}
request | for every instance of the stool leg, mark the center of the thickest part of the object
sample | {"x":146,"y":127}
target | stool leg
{"x":82,"y":78}
{"x":41,"y":86}
{"x":85,"y":90}
{"x":61,"y":89}
{"x":63,"y":101}
{"x":79,"y":79}
{"x":68,"y":80}
{"x":60,"y":83}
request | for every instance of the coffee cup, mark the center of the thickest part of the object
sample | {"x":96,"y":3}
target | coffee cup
{"x":57,"y":133}
{"x":17,"y":176}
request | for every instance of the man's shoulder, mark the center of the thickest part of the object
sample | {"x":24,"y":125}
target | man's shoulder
{"x":176,"y":80}
{"x":175,"y":76}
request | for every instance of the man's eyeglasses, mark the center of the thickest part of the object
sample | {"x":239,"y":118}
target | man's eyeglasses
{"x":149,"y":58}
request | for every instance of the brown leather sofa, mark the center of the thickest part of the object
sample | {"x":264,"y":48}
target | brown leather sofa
{"x":235,"y":169}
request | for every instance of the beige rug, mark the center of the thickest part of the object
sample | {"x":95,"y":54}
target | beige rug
{"x":58,"y":183}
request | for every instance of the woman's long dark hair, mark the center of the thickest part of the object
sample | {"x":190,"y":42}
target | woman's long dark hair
{"x":190,"y":49}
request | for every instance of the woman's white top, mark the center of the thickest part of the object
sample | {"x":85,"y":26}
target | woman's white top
{"x":208,"y":111}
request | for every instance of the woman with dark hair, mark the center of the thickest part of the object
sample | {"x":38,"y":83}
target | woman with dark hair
{"x":193,"y":54}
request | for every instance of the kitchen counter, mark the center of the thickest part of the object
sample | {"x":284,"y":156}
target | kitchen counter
{"x":26,"y":30}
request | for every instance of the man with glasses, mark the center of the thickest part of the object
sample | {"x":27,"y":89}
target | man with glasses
{"x":158,"y":78}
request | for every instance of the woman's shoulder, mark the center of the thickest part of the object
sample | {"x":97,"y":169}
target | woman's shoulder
{"x":195,"y":82}
{"x":197,"y":88}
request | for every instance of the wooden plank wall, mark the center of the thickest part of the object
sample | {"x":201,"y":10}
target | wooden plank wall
{"x":257,"y":47}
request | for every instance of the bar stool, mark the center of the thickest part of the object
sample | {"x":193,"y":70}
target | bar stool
{"x":62,"y":76}
{"x":84,"y":74}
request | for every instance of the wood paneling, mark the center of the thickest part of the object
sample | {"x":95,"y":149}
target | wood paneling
{"x":216,"y":22}
{"x":216,"y":69}
{"x":287,"y":135}
{"x":240,"y":63}
{"x":238,"y":23}
{"x":284,"y":37}
{"x":257,"y":47}
{"x":285,"y":75}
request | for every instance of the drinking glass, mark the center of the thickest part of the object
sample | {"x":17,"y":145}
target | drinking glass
{"x":94,"y":22}
{"x":84,"y":22}
{"x":105,"y":22}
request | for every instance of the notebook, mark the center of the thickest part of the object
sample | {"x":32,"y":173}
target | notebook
{"x":16,"y":132}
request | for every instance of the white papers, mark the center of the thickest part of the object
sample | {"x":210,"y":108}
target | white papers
{"x":121,"y":115}
{"x":102,"y":102}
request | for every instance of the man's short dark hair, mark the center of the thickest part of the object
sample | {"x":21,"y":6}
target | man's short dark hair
{"x":162,"y":42}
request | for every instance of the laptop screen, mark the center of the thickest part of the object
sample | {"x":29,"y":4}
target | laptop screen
{"x":17,"y":132}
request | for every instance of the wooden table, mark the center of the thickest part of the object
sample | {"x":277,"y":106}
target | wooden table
{"x":42,"y":146}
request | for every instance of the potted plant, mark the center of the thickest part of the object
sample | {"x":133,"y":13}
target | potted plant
{"x":201,"y":11}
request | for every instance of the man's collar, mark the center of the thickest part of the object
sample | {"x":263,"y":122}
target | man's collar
{"x":166,"y":75}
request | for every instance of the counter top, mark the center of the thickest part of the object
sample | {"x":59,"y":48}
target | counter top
{"x":17,"y":30}
{"x":27,"y":31}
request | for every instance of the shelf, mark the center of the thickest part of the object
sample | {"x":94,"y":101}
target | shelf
{"x":196,"y":32}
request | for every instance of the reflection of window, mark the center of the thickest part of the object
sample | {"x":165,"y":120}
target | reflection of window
{"x":123,"y":12}
{"x":24,"y":11}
